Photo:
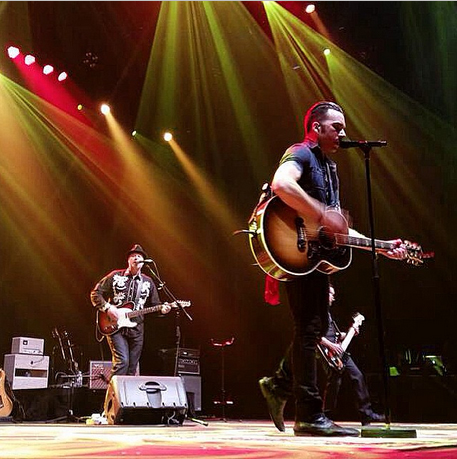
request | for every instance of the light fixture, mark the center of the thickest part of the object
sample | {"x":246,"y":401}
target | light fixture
{"x":47,"y":69}
{"x":13,"y":52}
{"x":29,"y":59}
{"x":310,"y":8}
{"x":105,"y":109}
{"x":62,"y":76}
{"x":167,"y":136}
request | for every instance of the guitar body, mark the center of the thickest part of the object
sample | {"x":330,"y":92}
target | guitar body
{"x":334,"y":361}
{"x":286,"y":245}
{"x":107,"y":326}
{"x":6,"y":404}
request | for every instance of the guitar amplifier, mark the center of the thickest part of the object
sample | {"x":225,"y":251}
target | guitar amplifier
{"x":99,"y":374}
{"x":188,"y":361}
{"x":27,"y":371}
{"x":22,"y":345}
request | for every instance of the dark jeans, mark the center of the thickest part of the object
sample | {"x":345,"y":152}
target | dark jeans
{"x":308,"y":300}
{"x":358,"y":386}
{"x":126,"y":346}
{"x":283,"y":384}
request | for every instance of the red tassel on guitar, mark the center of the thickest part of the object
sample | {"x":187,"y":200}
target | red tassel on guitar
{"x":271,"y":294}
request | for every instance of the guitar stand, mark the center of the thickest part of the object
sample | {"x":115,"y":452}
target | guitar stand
{"x":223,"y":402}
{"x":386,"y":432}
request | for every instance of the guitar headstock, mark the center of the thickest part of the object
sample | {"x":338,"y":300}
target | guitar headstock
{"x":414,"y":254}
{"x":176,"y":304}
{"x":357,"y":321}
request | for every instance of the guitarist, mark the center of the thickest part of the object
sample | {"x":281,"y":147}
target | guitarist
{"x":332,"y":340}
{"x":306,"y":180}
{"x":278,"y":389}
{"x":116,"y":289}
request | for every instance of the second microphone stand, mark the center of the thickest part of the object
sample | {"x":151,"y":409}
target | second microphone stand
{"x":162,"y":286}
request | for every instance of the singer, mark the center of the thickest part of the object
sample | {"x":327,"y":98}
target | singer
{"x":306,"y":180}
{"x":117,"y":288}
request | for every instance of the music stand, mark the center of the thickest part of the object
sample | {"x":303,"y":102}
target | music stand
{"x":223,"y":401}
{"x":387,"y":431}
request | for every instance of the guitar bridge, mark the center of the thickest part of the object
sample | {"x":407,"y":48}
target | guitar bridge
{"x":301,"y":237}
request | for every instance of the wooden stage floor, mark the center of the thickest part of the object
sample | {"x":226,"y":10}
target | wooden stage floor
{"x":219,"y":439}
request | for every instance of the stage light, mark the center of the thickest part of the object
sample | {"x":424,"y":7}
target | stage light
{"x":13,"y":52}
{"x":133,"y":133}
{"x":29,"y":59}
{"x":47,"y":69}
{"x":167,"y":136}
{"x":310,"y":8}
{"x":62,"y":76}
{"x":327,"y":51}
{"x":79,"y":107}
{"x":105,"y":109}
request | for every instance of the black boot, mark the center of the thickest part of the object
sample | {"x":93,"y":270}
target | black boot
{"x":322,"y":426}
{"x":368,"y":418}
{"x":275,"y":402}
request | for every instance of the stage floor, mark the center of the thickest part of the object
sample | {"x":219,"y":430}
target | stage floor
{"x":219,"y":439}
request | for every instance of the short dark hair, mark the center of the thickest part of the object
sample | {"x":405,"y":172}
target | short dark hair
{"x":318,"y":111}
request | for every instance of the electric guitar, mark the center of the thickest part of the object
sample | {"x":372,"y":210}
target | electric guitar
{"x":6,"y":404}
{"x":108,"y":326}
{"x":286,"y":245}
{"x":335,"y":361}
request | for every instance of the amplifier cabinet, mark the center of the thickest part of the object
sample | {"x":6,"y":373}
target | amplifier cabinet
{"x":27,"y":371}
{"x":145,"y":400}
{"x":99,"y":374}
{"x":193,"y":386}
{"x":23,"y":345}
{"x":188,"y":361}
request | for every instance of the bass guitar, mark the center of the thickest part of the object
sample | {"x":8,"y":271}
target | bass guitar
{"x":286,"y":244}
{"x":6,"y":404}
{"x":335,"y":361}
{"x":108,"y":326}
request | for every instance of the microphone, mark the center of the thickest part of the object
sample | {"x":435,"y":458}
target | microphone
{"x":362,"y":143}
{"x":147,"y":260}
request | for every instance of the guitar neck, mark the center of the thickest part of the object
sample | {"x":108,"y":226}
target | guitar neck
{"x":348,"y":338}
{"x":354,"y":241}
{"x":140,"y":312}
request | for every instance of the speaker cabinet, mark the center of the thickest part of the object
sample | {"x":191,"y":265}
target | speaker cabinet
{"x":145,"y":400}
{"x":193,"y":386}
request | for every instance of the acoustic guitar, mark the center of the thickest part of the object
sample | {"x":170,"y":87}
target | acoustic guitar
{"x":286,"y":244}
{"x":6,"y":404}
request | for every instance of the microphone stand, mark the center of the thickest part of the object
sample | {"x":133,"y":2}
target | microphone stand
{"x":162,"y":286}
{"x":387,"y":431}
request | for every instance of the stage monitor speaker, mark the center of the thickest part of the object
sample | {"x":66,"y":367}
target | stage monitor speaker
{"x":145,"y":400}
